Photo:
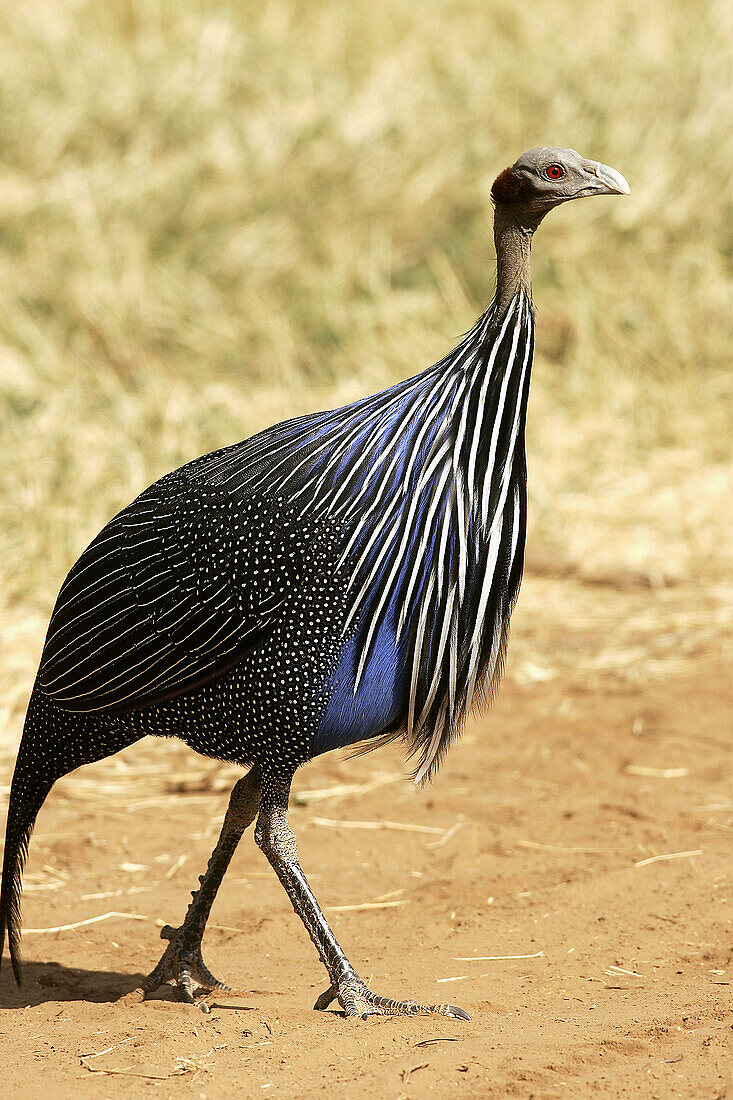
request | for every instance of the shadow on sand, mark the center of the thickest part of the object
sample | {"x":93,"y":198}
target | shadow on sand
{"x":50,"y":981}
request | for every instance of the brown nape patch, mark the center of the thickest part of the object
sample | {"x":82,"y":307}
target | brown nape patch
{"x":508,"y":188}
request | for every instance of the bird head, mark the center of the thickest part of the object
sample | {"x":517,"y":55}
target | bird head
{"x":543,"y":178}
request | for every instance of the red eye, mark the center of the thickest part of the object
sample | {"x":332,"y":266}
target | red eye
{"x":555,"y":171}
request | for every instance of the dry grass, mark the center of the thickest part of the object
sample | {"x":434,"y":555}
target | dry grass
{"x":216,"y":215}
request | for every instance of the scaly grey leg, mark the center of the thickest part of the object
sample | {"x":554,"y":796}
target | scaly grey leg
{"x":277,"y":840}
{"x":181,"y":962}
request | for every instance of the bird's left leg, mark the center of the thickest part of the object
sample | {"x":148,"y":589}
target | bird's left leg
{"x":277,"y":840}
{"x":181,"y":962}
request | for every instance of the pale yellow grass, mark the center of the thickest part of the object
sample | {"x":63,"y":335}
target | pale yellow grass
{"x":213,"y":216}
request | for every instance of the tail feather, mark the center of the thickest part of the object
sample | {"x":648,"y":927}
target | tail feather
{"x":54,"y":742}
{"x":26,"y":799}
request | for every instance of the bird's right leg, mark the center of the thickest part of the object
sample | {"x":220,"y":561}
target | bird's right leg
{"x":181,"y":962}
{"x":277,"y":840}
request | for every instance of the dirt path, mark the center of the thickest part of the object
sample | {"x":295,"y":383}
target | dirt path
{"x":584,"y":825}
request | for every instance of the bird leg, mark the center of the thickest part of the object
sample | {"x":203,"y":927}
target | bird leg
{"x":277,"y":840}
{"x":181,"y":962}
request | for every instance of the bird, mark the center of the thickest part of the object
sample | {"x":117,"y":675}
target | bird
{"x":344,"y":578}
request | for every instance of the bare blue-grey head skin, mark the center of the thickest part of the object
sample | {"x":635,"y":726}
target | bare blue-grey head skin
{"x":537,"y":170}
{"x":523,"y":194}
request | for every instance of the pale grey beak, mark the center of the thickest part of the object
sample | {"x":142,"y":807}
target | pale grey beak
{"x":610,"y":182}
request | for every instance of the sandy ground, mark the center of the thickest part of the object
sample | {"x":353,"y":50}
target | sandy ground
{"x":583,"y":828}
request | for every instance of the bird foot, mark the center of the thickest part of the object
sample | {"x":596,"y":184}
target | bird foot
{"x":357,"y":1000}
{"x":182,"y":966}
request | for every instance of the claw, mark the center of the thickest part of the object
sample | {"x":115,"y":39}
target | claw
{"x":357,"y":999}
{"x":181,"y":965}
{"x":326,"y":999}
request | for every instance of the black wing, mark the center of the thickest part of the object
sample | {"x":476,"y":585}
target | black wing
{"x":176,"y":589}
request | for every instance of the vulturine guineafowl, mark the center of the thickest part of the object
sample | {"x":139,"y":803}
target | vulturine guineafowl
{"x":340,"y":578}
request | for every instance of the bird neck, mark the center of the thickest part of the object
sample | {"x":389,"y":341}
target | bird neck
{"x":513,"y":241}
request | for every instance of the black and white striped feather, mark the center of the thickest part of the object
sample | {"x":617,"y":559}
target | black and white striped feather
{"x":425,"y":485}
